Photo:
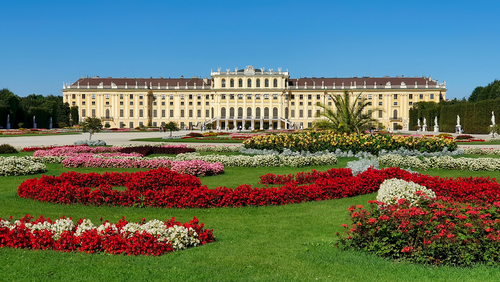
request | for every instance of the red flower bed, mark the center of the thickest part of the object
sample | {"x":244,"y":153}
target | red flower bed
{"x":168,"y":189}
{"x":109,"y":238}
{"x":31,"y":149}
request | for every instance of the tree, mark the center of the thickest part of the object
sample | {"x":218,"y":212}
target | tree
{"x":74,"y":116}
{"x":172,"y":126}
{"x":348,"y":117}
{"x":92,"y":125}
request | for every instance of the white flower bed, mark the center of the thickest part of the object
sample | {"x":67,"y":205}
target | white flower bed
{"x":445,"y":162}
{"x":259,"y":160}
{"x":10,"y":166}
{"x":481,"y":151}
{"x":392,"y":190}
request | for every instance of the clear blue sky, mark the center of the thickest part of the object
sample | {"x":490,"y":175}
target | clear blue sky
{"x":46,"y":43}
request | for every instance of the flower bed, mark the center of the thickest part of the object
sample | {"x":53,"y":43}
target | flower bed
{"x":144,"y":238}
{"x":192,"y":167}
{"x":10,"y":166}
{"x":313,"y":141}
{"x":31,"y":149}
{"x":168,"y":189}
{"x":443,"y":162}
{"x":166,"y":150}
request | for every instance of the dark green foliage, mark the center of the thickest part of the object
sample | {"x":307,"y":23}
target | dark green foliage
{"x":7,"y":149}
{"x":491,"y":91}
{"x":74,"y":116}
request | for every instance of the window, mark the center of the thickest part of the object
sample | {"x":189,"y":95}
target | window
{"x":93,"y":103}
{"x":380,"y":103}
{"x":257,"y":96}
{"x":182,"y":96}
{"x":207,"y":113}
{"x":410,"y":96}
{"x":121,"y":96}
{"x":223,"y":83}
{"x":190,"y":113}
{"x":207,"y":103}
{"x":83,"y":96}
{"x":163,"y":97}
{"x":107,"y":103}
{"x":198,"y":103}
{"x":107,"y":96}
{"x":240,"y":82}
{"x":163,"y":113}
{"x":131,"y":124}
{"x":395,"y":96}
{"x":301,"y":103}
{"x":309,"y":97}
{"x":266,"y":83}
{"x":190,"y":103}
{"x":141,"y":112}
{"x":275,"y":96}
{"x":249,"y":96}
{"x":275,"y":83}
{"x":223,"y":96}
{"x":140,"y":97}
{"x":395,"y":113}
{"x":83,"y":112}
{"x":410,"y":103}
{"x":301,"y":113}
{"x":395,"y":103}
{"x":231,"y":83}
{"x":207,"y":97}
{"x":190,"y":97}
{"x":309,"y":103}
{"x":380,"y":96}
{"x":369,"y":103}
{"x":131,"y":113}
{"x":182,"y":113}
{"x":421,"y":96}
{"x":266,"y":96}
{"x":380,"y":113}
{"x":198,"y":96}
{"x":83,"y":102}
{"x":163,"y":103}
{"x":257,"y":83}
{"x":249,"y":82}
{"x":292,"y":97}
{"x":93,"y":112}
{"x":171,"y":113}
{"x":140,"y":103}
{"x":432,"y":97}
{"x":369,"y":96}
{"x":182,"y":103}
{"x":171,"y":97}
{"x":318,"y":97}
{"x":155,"y":113}
{"x":293,"y":103}
{"x":73,"y":96}
{"x":131,"y":103}
{"x":231,"y":96}
{"x":301,"y":97}
{"x":171,"y":103}
{"x":309,"y":113}
{"x":292,"y":113}
{"x":93,"y":96}
{"x":240,"y":96}
{"x":131,"y":96}
{"x":121,"y":103}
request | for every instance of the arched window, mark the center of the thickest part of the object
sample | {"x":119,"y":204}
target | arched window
{"x":107,"y":113}
{"x":249,"y":112}
{"x":231,"y":83}
{"x":275,"y":83}
{"x":223,"y":82}
{"x":266,"y":83}
{"x":257,"y":83}
{"x":266,"y":112}
{"x":231,"y":112}
{"x":249,"y":82}
{"x":395,"y":114}
{"x":240,"y":112}
{"x":275,"y":113}
{"x":257,"y":113}
{"x":223,"y":112}
{"x":240,"y":82}
{"x":286,"y":112}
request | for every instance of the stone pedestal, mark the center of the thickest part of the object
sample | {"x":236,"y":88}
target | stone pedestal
{"x":436,"y":128}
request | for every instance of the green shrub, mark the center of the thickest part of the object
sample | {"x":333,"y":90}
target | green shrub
{"x":7,"y":149}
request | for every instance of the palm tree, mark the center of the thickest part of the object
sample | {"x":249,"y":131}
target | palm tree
{"x":348,"y":117}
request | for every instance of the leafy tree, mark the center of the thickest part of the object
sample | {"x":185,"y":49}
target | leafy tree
{"x":74,"y":115}
{"x":172,"y":126}
{"x":92,"y":125}
{"x":348,"y":117}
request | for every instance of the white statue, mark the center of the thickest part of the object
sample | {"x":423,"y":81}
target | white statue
{"x":435,"y":121}
{"x":418,"y":123}
{"x":493,"y":118}
{"x":425,"y":122}
{"x":458,"y":120}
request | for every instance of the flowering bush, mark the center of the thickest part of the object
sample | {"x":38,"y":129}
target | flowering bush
{"x":314,"y":141}
{"x":10,"y":166}
{"x":444,"y":162}
{"x":393,"y":190}
{"x":440,"y":232}
{"x":145,"y":238}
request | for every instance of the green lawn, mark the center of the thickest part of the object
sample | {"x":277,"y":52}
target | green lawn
{"x":275,"y":243}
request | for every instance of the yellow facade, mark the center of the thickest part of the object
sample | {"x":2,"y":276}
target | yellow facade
{"x":249,"y":97}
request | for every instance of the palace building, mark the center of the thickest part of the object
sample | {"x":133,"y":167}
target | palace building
{"x":249,"y":97}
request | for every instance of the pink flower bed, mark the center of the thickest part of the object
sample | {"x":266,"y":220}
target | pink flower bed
{"x":194,"y":167}
{"x":73,"y":151}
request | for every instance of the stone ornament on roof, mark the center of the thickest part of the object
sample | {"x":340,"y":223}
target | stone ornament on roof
{"x":249,"y":70}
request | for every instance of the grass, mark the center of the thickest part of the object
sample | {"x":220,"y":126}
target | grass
{"x":274,"y":243}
